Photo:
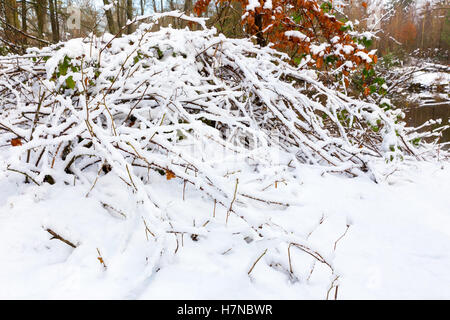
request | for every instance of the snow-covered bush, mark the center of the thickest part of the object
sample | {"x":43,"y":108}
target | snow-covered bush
{"x":141,"y":99}
{"x":194,"y":106}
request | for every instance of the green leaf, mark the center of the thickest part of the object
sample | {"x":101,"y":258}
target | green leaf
{"x":330,"y":59}
{"x":297,"y":18}
{"x":416,"y":141}
{"x":385,"y":106}
{"x":326,"y":7}
{"x":70,"y":83}
{"x":380,"y":81}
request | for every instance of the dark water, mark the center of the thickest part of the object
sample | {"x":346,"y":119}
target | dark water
{"x":432,"y":102}
{"x":418,"y":113}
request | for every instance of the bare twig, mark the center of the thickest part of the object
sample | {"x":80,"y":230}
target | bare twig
{"x":232,"y":201}
{"x":335,"y":243}
{"x":257,"y":260}
{"x":57,"y":236}
{"x":101,"y":260}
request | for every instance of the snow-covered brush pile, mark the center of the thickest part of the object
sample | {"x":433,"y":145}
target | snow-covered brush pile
{"x":229,"y":118}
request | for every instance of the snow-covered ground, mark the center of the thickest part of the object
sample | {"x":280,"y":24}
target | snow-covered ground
{"x":397,"y":244}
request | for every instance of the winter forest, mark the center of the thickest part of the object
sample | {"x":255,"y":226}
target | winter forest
{"x":214,"y":149}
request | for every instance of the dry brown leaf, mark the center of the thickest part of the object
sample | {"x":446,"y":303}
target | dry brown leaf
{"x":170,"y":175}
{"x":16,"y":142}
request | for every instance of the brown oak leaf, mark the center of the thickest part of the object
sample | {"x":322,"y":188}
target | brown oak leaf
{"x":16,"y":142}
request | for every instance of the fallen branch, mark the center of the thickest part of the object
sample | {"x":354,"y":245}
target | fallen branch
{"x":58,"y":237}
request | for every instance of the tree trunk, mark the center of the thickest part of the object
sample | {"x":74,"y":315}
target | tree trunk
{"x":11,"y":15}
{"x":24,"y":20}
{"x":423,"y":29}
{"x":119,"y":19}
{"x":40,"y":8}
{"x":187,"y":6}
{"x":110,"y":19}
{"x":259,"y":35}
{"x":12,"y":19}
{"x":162,"y":20}
{"x":142,"y":7}
{"x":56,"y":18}
{"x":172,"y":8}
{"x":130,"y":15}
{"x":53,"y":21}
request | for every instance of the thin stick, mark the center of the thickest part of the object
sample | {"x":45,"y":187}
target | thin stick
{"x":57,"y":236}
{"x":25,"y":174}
{"x":254,"y":264}
{"x":147,"y":230}
{"x":335,"y":244}
{"x":232,"y":201}
{"x":107,"y":206}
{"x":311,"y":271}
{"x":129,"y":175}
{"x":225,"y":252}
{"x":101,"y":259}
{"x":56,"y":153}
{"x":176,"y":238}
{"x":95,"y":181}
{"x":289,"y":256}
{"x":331,"y":288}
{"x":313,"y":254}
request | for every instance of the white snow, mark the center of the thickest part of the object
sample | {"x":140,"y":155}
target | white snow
{"x":397,"y":245}
{"x":319,"y":49}
{"x":346,"y":49}
{"x":364,"y":56}
{"x":252,"y":4}
{"x":267,"y":4}
{"x":296,"y":34}
{"x":107,"y":7}
{"x":432,"y":78}
{"x":335,"y":39}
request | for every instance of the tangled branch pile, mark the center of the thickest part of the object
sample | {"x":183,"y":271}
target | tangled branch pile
{"x":191,"y":105}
